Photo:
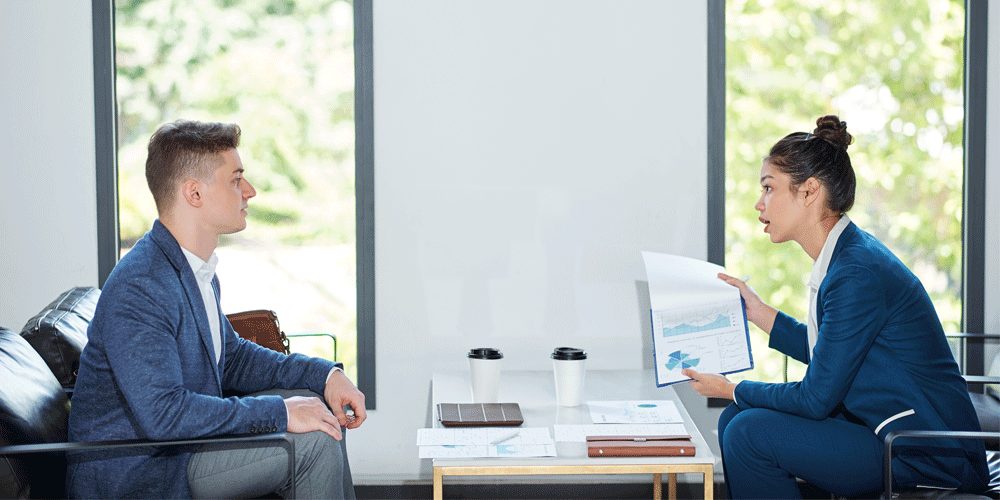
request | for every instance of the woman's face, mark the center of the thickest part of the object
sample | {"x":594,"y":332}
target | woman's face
{"x":781,"y":210}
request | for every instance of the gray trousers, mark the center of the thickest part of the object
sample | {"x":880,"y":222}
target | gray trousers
{"x":235,"y":471}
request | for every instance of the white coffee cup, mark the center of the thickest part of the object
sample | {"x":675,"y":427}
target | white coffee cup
{"x":568,"y":367}
{"x":484,"y":367}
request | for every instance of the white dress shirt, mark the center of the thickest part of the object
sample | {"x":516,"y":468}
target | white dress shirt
{"x":203,"y":273}
{"x":818,"y":275}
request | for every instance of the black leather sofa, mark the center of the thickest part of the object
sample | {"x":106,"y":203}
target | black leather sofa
{"x":37,"y":372}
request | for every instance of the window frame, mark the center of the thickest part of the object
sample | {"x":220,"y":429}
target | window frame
{"x":106,"y":145}
{"x":974,"y":163}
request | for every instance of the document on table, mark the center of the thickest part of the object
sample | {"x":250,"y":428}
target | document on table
{"x":478,"y":442}
{"x":634,"y":412}
{"x":698,"y":320}
{"x":579,"y":433}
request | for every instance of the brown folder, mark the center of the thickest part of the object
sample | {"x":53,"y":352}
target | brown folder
{"x":639,"y":446}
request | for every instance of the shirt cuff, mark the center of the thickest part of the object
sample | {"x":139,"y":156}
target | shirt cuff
{"x":734,"y":394}
{"x":330,"y":373}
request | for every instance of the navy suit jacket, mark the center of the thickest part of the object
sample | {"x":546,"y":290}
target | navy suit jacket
{"x":882,"y":356}
{"x":148,"y":372}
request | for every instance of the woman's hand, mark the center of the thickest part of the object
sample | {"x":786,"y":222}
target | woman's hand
{"x":758,"y":312}
{"x":709,"y":384}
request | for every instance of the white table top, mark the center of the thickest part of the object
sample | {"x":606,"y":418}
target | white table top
{"x":534,"y":391}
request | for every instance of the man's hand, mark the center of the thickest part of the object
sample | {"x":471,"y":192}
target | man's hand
{"x":311,"y":414}
{"x":711,"y":385}
{"x":341,"y":392}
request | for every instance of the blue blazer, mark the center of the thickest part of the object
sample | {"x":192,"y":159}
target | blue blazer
{"x":883,"y":356}
{"x":148,"y":372}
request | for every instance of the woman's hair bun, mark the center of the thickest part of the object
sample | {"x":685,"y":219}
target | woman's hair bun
{"x":834,"y":131}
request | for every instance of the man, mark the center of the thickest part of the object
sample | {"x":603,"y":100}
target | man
{"x":160,"y":352}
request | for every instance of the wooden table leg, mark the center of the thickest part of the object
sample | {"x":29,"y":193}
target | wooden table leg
{"x":672,"y":486}
{"x":709,"y":486}
{"x":438,"y":484}
{"x":657,"y":486}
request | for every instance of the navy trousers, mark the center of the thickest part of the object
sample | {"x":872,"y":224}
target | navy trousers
{"x":763,"y":451}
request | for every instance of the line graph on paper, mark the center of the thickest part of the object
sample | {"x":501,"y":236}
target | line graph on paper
{"x":709,"y":338}
{"x":698,"y":321}
{"x":733,"y":352}
{"x":695,"y":321}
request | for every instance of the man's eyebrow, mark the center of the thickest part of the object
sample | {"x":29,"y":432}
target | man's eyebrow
{"x":238,"y":171}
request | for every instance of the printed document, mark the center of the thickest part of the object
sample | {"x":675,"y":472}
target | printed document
{"x":480,"y":442}
{"x":634,"y":412}
{"x":698,"y":320}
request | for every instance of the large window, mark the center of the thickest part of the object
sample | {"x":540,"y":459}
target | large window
{"x":894,"y":72}
{"x":284,"y":71}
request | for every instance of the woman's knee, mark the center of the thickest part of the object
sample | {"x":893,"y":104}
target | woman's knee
{"x":727,"y":416}
{"x":743,"y":429}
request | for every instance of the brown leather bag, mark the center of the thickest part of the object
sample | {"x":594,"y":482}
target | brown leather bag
{"x":261,"y":327}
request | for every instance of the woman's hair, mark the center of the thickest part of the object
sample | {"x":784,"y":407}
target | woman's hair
{"x":821,"y":154}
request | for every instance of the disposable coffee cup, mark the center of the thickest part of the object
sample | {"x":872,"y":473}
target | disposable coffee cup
{"x":484,"y":366}
{"x":568,"y":366}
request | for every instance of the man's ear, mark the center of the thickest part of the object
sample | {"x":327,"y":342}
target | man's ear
{"x":191,"y":192}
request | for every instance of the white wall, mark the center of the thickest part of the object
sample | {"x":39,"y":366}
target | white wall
{"x":525,"y":153}
{"x":48,"y":206}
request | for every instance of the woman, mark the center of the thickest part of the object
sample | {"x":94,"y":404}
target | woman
{"x":877,"y":356}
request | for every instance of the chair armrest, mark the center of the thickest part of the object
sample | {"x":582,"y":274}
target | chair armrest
{"x":962,"y":335}
{"x":281,"y":437}
{"x":892,"y":436}
{"x":981,"y":379}
{"x":318,"y":334}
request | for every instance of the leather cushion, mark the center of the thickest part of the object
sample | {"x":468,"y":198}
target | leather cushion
{"x":59,"y":332}
{"x":33,"y":409}
{"x":988,"y":410}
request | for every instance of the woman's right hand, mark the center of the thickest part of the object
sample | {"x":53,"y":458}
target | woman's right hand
{"x":758,"y":312}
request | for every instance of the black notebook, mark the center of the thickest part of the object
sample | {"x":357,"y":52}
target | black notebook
{"x":479,"y":414}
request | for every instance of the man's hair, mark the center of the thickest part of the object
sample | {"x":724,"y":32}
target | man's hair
{"x":185,"y":150}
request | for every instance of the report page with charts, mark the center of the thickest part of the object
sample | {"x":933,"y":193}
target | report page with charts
{"x":698,"y":320}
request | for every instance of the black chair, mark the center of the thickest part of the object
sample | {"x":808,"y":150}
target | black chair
{"x":34,"y":415}
{"x":987,"y":405}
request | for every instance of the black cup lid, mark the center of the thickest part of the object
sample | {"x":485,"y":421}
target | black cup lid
{"x":485,"y":353}
{"x":568,"y":353}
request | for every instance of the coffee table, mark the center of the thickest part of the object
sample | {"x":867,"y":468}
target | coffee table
{"x":534,"y":391}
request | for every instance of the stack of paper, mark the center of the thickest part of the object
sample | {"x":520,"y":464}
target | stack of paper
{"x":626,"y":418}
{"x":478,"y":442}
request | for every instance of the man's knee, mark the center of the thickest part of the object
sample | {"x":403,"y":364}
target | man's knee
{"x":318,"y":451}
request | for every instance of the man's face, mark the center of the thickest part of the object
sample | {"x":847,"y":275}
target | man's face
{"x":225,"y":196}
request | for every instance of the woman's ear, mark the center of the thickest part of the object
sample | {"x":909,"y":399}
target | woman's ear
{"x":811,"y":189}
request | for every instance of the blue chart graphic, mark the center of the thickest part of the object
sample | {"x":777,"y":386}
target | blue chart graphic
{"x":681,"y":359}
{"x":696,"y":326}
